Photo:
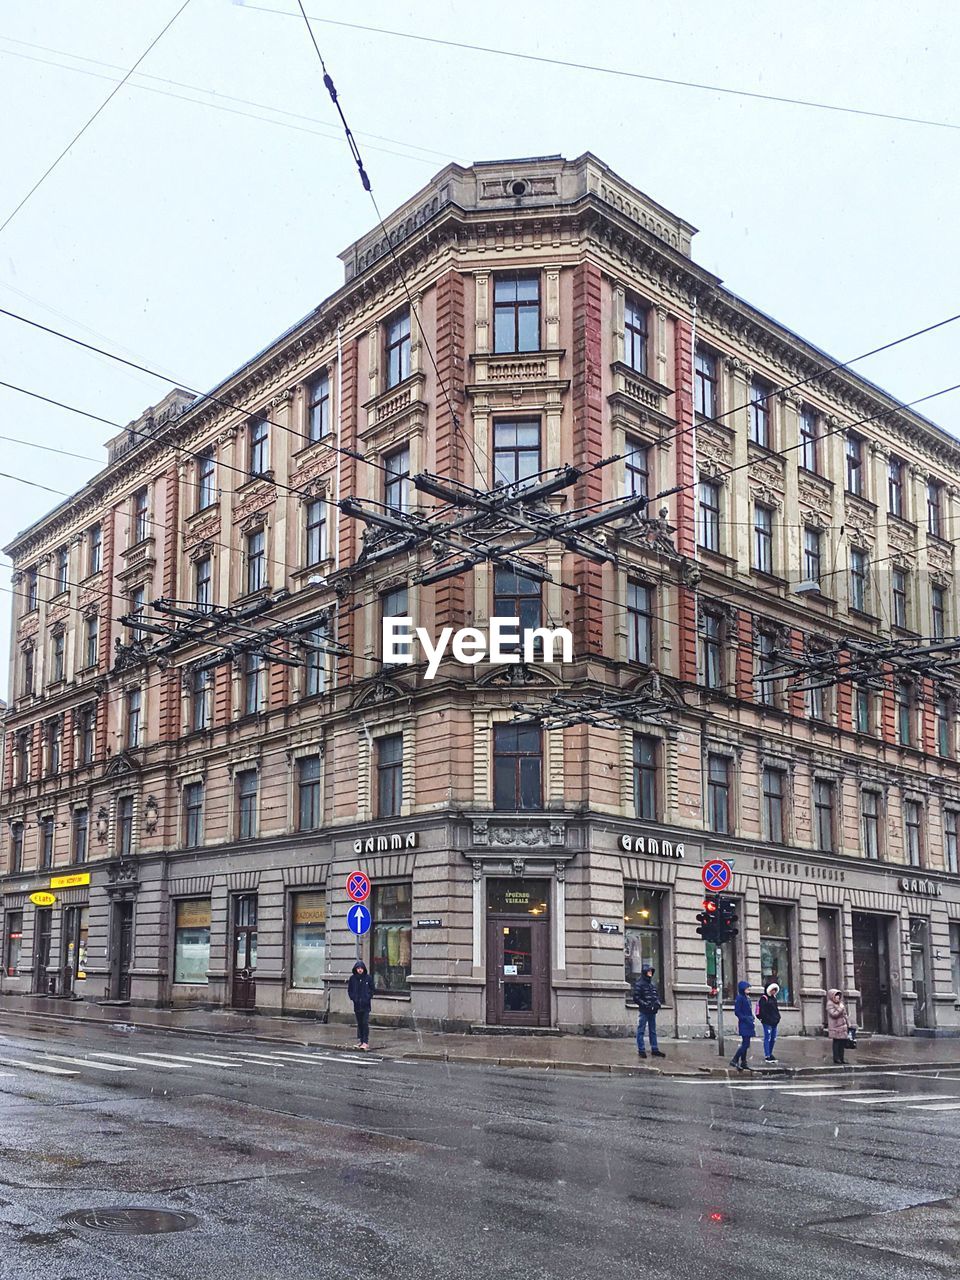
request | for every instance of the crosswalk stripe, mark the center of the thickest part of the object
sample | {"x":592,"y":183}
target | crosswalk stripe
{"x":325,"y":1057}
{"x":791,"y":1088}
{"x":900,"y":1097}
{"x":141,"y":1061}
{"x":262,"y":1057}
{"x":935,"y":1106}
{"x":191,"y":1061}
{"x":36,"y":1066}
{"x":85,"y":1062}
{"x":839,"y":1093}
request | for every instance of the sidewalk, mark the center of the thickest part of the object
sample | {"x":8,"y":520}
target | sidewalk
{"x":798,"y":1055}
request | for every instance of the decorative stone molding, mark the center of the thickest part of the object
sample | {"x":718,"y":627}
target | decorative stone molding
{"x":520,"y":835}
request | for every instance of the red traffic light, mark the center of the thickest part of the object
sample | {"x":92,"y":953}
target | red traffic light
{"x":709,"y":904}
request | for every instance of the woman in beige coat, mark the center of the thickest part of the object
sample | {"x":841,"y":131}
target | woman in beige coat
{"x":838,"y":1024}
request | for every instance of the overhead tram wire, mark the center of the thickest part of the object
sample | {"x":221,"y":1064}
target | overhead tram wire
{"x":79,"y":134}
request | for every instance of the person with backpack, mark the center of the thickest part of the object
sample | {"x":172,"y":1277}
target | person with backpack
{"x":360,"y":991}
{"x":745,"y":1026}
{"x":647,"y":999}
{"x":768,"y":1011}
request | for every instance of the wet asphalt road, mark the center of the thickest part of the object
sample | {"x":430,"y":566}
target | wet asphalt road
{"x":329,"y":1166}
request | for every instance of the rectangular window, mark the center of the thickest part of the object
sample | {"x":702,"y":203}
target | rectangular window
{"x":256,"y":561}
{"x":516,"y":451}
{"x":814,"y":703}
{"x":711,"y":640}
{"x":938,"y":612}
{"x":644,"y":911}
{"x":13,"y":943}
{"x":708,"y":521}
{"x":308,"y":939}
{"x":812,"y":555}
{"x":718,"y":794}
{"x":394,"y":603}
{"x":396,"y":481}
{"x":761,"y":394}
{"x":28,"y":670}
{"x":762,"y":538}
{"x":854,"y":468}
{"x":945,"y":717}
{"x":191,"y":941}
{"x":206,"y":480}
{"x":32,"y":592}
{"x":16,"y":848}
{"x":318,"y":408}
{"x":201,"y":693}
{"x":898,"y":580}
{"x":254,"y":684}
{"x":912,"y":822}
{"x":57,"y":643}
{"x":903,"y":691}
{"x":766,"y":664}
{"x":862,"y":711}
{"x":193,"y":815}
{"x":81,"y":831}
{"x":859,"y":579}
{"x":895,"y":487}
{"x":91,"y":645}
{"x":315,"y":517}
{"x":125,"y":826}
{"x":308,"y":793}
{"x":141,"y":514}
{"x":315,"y":658}
{"x":137,"y":601}
{"x":391,"y":937}
{"x":62,"y":572}
{"x":935,"y":508}
{"x":639,"y":622}
{"x":636,"y":469}
{"x":53,"y":745}
{"x":389,"y":775}
{"x":517,"y":767}
{"x":516,"y":314}
{"x":398,"y":349}
{"x":870,"y":823}
{"x":954,"y":959}
{"x":133,"y":702}
{"x":775,"y":949}
{"x":823,"y":806}
{"x":203,"y":583}
{"x":88,"y":733}
{"x":635,"y":335}
{"x":645,"y":753}
{"x":705,"y":383}
{"x":774,"y":790}
{"x":258,"y":444}
{"x":95,"y":549}
{"x":515,"y":596}
{"x":21,"y":755}
{"x":951,"y":840}
{"x":246,"y":804}
{"x":809,"y":439}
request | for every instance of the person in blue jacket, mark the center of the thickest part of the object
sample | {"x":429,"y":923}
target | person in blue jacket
{"x":745,"y":1026}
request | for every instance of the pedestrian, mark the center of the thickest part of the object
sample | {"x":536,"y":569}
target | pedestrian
{"x":768,"y":1011}
{"x":746,"y":1027}
{"x":838,"y":1025}
{"x":360,"y":991}
{"x":647,"y":999}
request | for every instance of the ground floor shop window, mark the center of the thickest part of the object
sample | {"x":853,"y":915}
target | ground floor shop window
{"x":191,"y":948}
{"x":730,"y":969}
{"x":308,"y":946}
{"x":11,"y":950}
{"x":955,"y":958}
{"x":775,"y":948}
{"x":391,"y":937}
{"x":643,"y":912}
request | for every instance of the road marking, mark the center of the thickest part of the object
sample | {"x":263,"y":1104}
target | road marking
{"x":141,"y":1062}
{"x":192,"y":1061}
{"x":840,"y":1093}
{"x":900,"y":1097}
{"x":35,"y":1066}
{"x":935,"y":1106}
{"x":85,"y":1062}
{"x":791,"y":1088}
{"x":325,"y":1057}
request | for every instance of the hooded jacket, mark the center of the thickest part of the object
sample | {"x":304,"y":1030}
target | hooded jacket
{"x":360,"y":987}
{"x":838,"y":1024}
{"x":741,"y":1007}
{"x":768,"y":1011}
{"x":645,"y":994}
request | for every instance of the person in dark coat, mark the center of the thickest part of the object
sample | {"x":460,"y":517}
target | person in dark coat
{"x":745,"y":1026}
{"x":647,"y":999}
{"x":360,"y":991}
{"x":838,"y":1025}
{"x":768,"y":1011}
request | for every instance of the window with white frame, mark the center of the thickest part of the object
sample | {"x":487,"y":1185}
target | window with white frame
{"x":708,"y":515}
{"x":912,"y":830}
{"x":318,"y":407}
{"x":315,"y":528}
{"x":870,"y":808}
{"x":951,"y":840}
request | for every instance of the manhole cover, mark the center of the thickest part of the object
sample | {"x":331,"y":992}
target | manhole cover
{"x":131,"y":1222}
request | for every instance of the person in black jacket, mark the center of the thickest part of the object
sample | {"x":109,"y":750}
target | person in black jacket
{"x":360,"y":991}
{"x":647,"y":999}
{"x":768,"y":1011}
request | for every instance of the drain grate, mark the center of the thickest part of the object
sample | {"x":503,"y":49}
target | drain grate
{"x":120,"y":1221}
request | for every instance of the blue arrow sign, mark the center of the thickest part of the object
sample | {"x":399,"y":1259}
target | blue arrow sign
{"x":358,"y":919}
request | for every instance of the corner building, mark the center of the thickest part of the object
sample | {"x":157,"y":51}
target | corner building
{"x":192,"y":819}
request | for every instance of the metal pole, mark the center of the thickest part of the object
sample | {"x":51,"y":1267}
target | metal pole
{"x":719,"y":957}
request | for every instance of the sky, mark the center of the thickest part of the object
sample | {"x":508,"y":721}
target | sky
{"x":202,"y":212}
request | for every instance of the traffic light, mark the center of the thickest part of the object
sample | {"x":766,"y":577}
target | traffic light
{"x":726,"y":919}
{"x":708,"y":920}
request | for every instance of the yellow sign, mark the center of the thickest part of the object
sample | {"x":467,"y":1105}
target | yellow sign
{"x":70,"y":882}
{"x":43,"y":899}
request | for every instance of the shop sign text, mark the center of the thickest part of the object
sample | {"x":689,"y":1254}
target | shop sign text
{"x":651,"y":846}
{"x":384,"y":844}
{"x":928,"y":888}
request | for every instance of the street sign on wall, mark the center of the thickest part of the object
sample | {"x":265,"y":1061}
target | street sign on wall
{"x":358,"y":919}
{"x":716,"y":875}
{"x":358,"y":886}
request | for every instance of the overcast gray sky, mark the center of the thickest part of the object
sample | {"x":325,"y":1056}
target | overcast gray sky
{"x":202,"y":212}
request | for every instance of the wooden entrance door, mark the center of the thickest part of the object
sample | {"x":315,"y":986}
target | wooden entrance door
{"x":518,"y":971}
{"x":42,"y":929}
{"x":871,"y":971}
{"x":122,"y":949}
{"x":245,"y":951}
